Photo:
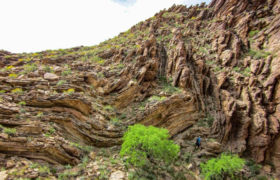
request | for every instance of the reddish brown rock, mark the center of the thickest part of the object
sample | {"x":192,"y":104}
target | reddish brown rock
{"x":214,"y":66}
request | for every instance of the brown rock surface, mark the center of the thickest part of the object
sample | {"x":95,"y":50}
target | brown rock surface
{"x":210,"y":71}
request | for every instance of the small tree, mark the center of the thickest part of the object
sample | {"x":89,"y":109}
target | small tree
{"x":142,"y":144}
{"x":224,"y":166}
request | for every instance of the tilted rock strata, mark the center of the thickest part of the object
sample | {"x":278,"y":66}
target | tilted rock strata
{"x":223,"y":57}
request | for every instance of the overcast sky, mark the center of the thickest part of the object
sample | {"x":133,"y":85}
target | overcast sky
{"x":36,"y":25}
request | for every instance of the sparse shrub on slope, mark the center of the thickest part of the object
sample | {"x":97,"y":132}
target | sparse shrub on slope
{"x":145,"y":144}
{"x":224,"y":166}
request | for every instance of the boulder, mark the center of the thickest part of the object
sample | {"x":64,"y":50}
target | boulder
{"x":117,"y":175}
{"x":50,"y":76}
{"x":3,"y":175}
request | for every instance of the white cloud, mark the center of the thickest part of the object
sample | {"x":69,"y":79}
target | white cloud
{"x":35,"y":25}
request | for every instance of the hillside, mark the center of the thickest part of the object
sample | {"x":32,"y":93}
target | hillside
{"x":206,"y":70}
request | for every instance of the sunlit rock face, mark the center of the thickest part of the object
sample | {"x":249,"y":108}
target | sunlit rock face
{"x":209,"y":71}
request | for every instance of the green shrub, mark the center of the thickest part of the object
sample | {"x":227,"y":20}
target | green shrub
{"x":82,"y":147}
{"x":47,"y":68}
{"x":258,"y":54}
{"x":246,"y":72}
{"x":100,"y":75}
{"x":22,"y":103}
{"x":29,"y":68}
{"x":109,"y":108}
{"x":187,"y":157}
{"x":44,"y":169}
{"x":253,"y":33}
{"x":217,"y":69}
{"x":236,"y":69}
{"x":98,"y":60}
{"x":115,"y":121}
{"x":50,"y":132}
{"x":61,"y":82}
{"x":67,"y":71}
{"x":210,"y":62}
{"x":167,"y":87}
{"x":142,"y":144}
{"x":224,"y":166}
{"x":10,"y":130}
{"x":40,"y":114}
{"x":120,"y":66}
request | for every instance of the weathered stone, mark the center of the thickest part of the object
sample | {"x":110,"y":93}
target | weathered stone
{"x":50,"y":76}
{"x":3,"y":175}
{"x":10,"y":164}
{"x":226,"y":57}
{"x":92,"y":155}
{"x":214,"y":75}
{"x":117,"y":175}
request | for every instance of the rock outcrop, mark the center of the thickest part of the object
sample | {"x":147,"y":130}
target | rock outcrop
{"x":210,"y":71}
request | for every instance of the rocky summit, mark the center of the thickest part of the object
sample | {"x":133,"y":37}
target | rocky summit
{"x":206,"y":70}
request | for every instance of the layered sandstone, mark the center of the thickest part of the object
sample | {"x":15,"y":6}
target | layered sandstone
{"x":181,"y":69}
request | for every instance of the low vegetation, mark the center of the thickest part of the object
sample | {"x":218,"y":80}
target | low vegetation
{"x":61,"y":82}
{"x":69,"y":91}
{"x":156,"y":98}
{"x":143,"y":145}
{"x":258,"y":54}
{"x":29,"y":68}
{"x":67,"y":71}
{"x":17,"y":91}
{"x":225,"y":166}
{"x":8,"y":130}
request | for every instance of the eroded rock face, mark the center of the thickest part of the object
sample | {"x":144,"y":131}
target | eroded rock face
{"x":210,"y":71}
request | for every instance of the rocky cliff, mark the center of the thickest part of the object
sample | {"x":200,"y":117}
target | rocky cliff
{"x":206,"y":70}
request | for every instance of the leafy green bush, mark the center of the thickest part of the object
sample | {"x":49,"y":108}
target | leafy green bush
{"x":10,"y":130}
{"x":143,"y":144}
{"x":224,"y":166}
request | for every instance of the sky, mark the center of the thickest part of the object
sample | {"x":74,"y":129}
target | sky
{"x":36,"y":25}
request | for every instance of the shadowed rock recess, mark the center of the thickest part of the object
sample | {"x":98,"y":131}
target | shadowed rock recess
{"x":205,"y":70}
